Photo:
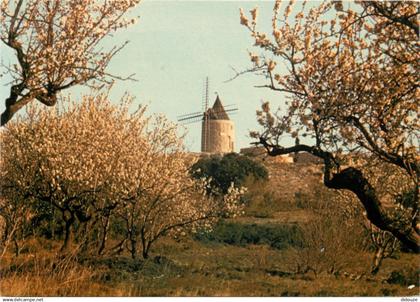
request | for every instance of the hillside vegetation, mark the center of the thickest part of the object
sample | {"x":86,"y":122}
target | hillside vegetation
{"x":98,"y":198}
{"x":273,"y":250}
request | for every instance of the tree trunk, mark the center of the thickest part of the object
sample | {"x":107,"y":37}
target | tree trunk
{"x":105,"y":227}
{"x":133,"y":249}
{"x":12,"y":103}
{"x":6,"y":232}
{"x":68,"y":219}
{"x":145,"y":253}
{"x":66,"y":241}
{"x":145,"y":244}
{"x":352,"y":179}
{"x":377,"y":260}
{"x":15,"y":242}
{"x":133,"y":242}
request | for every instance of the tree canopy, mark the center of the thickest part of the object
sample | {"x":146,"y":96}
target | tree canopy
{"x":98,"y":164}
{"x":228,"y":169}
{"x":351,"y":75}
{"x":58,"y":45}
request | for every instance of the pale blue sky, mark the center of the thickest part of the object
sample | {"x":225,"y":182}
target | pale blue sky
{"x":174,"y":46}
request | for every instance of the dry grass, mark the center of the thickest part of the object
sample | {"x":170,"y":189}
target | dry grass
{"x":191,"y":269}
{"x":68,"y":279}
{"x":42,"y":271}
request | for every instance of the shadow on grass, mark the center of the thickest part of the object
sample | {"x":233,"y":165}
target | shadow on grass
{"x":276,"y":236}
{"x":118,"y":269}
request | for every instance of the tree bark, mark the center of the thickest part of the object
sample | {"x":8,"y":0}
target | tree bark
{"x":145,"y":253}
{"x":15,"y":242}
{"x":352,"y":179}
{"x":12,"y":103}
{"x":133,"y":249}
{"x":145,"y":243}
{"x":69,"y":220}
{"x":105,"y":227}
{"x":377,"y":260}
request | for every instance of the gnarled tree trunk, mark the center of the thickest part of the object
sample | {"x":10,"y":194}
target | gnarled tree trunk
{"x":352,"y":179}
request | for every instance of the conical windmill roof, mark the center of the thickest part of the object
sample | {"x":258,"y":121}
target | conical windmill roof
{"x":217,"y":112}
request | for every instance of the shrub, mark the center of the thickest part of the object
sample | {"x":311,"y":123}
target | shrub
{"x":276,"y":236}
{"x":230,"y":168}
{"x":405,"y":278}
{"x":332,"y":237}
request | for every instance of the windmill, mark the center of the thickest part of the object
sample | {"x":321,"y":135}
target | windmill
{"x":217,"y":133}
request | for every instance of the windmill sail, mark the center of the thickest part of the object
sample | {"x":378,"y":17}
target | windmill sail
{"x":217,"y":133}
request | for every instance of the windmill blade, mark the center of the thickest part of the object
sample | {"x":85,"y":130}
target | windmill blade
{"x":179,"y":117}
{"x":199,"y":118}
{"x":186,"y":115}
{"x":229,"y":105}
{"x":200,"y":115}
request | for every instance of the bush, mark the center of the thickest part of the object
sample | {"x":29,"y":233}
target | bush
{"x":333,"y":235}
{"x":230,"y":168}
{"x":260,"y":202}
{"x":405,"y":278}
{"x":276,"y":236}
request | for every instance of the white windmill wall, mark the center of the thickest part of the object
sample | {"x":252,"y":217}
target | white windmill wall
{"x":218,"y":136}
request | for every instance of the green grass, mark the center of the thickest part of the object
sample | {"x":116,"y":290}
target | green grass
{"x":273,"y":235}
{"x":191,"y":267}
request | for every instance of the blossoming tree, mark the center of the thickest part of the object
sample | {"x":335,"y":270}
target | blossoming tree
{"x":351,"y":76}
{"x":57,"y":45}
{"x":161,"y":197}
{"x":66,"y":158}
{"x":97,"y":163}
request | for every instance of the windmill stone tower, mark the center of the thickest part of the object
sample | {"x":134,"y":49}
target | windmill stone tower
{"x":218,"y":131}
